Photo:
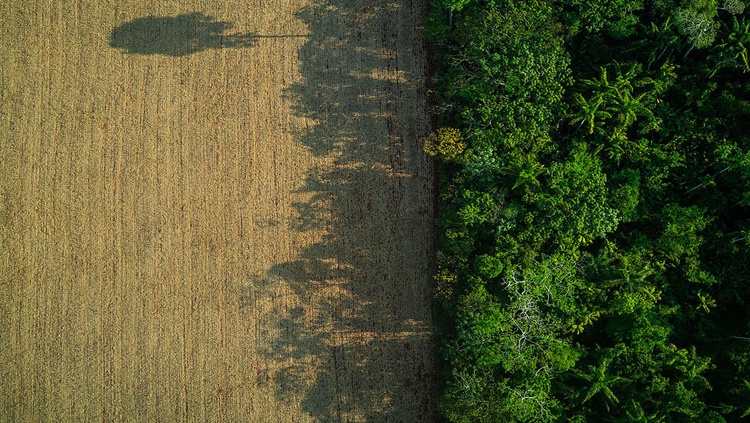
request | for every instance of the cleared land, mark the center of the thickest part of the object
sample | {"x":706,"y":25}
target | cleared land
{"x":214,"y":212}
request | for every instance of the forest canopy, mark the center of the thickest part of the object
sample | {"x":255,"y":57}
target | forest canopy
{"x":594,"y":260}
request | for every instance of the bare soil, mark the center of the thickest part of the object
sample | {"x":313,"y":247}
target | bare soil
{"x":214,"y":211}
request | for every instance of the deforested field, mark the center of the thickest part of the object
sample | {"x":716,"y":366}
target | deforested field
{"x":214,"y":211}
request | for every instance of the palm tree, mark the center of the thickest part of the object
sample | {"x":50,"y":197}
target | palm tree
{"x":636,"y":415}
{"x":527,"y":173}
{"x":746,"y":406}
{"x":614,"y":97}
{"x":622,"y":82}
{"x":737,"y":41}
{"x":663,"y":39}
{"x":599,"y":86}
{"x":628,"y":108}
{"x":589,"y":112}
{"x":601,"y":382}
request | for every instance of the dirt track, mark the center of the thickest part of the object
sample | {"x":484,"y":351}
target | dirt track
{"x":219,"y":213}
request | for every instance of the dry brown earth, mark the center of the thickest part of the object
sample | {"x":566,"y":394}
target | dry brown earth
{"x":210,"y":223}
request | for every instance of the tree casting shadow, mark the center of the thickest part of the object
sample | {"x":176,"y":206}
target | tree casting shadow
{"x":176,"y":35}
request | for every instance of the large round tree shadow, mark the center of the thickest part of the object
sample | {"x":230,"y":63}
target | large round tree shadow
{"x":176,"y":35}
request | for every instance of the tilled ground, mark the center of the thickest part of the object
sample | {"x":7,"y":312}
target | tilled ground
{"x":214,"y":212}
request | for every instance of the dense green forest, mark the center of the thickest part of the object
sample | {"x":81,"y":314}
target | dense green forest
{"x":594,"y":260}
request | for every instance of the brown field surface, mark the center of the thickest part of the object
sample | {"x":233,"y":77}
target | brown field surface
{"x":214,"y":211}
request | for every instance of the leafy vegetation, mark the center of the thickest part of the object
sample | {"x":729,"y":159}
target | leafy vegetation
{"x":595,"y":205}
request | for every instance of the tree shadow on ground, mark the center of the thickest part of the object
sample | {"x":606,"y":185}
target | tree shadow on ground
{"x":179,"y":35}
{"x":365,"y":286}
